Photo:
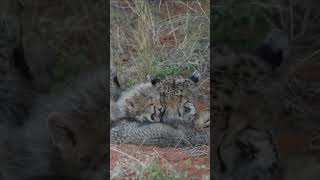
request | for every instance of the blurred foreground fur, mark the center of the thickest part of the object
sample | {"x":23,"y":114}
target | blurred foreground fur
{"x":249,"y":146}
{"x":64,"y":137}
{"x":47,"y":136}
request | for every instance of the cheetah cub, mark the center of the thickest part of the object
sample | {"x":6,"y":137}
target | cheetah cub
{"x":141,"y":103}
{"x":177,"y":99}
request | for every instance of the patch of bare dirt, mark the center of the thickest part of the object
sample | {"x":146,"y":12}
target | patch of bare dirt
{"x":128,"y":161}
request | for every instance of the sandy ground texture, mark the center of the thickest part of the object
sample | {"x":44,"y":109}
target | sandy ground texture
{"x":145,"y":162}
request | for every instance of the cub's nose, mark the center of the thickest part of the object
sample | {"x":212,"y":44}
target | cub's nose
{"x":155,"y":117}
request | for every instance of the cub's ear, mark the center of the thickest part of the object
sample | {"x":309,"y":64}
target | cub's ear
{"x":60,"y":132}
{"x":116,"y":81}
{"x":114,"y":76}
{"x":153,"y":79}
{"x":195,"y":76}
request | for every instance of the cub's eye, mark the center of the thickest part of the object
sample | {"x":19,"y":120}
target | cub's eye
{"x":162,"y":109}
{"x":187,"y":109}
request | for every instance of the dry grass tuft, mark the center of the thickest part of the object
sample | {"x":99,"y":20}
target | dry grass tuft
{"x":142,"y":164}
{"x":159,"y":38}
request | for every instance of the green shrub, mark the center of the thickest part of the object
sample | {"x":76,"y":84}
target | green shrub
{"x":155,"y":172}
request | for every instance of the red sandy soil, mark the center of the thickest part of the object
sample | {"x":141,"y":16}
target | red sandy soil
{"x":195,"y":161}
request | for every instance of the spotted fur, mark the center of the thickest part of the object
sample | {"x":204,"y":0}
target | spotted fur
{"x":141,"y":102}
{"x":179,"y":100}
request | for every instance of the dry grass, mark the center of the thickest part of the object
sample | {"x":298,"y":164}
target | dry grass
{"x":164,"y":38}
{"x":142,"y":164}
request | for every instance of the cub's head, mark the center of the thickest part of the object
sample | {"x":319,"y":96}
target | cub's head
{"x":143,"y":102}
{"x":176,"y":96}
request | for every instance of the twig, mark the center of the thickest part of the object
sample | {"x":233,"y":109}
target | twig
{"x":129,"y":156}
{"x":174,"y":34}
